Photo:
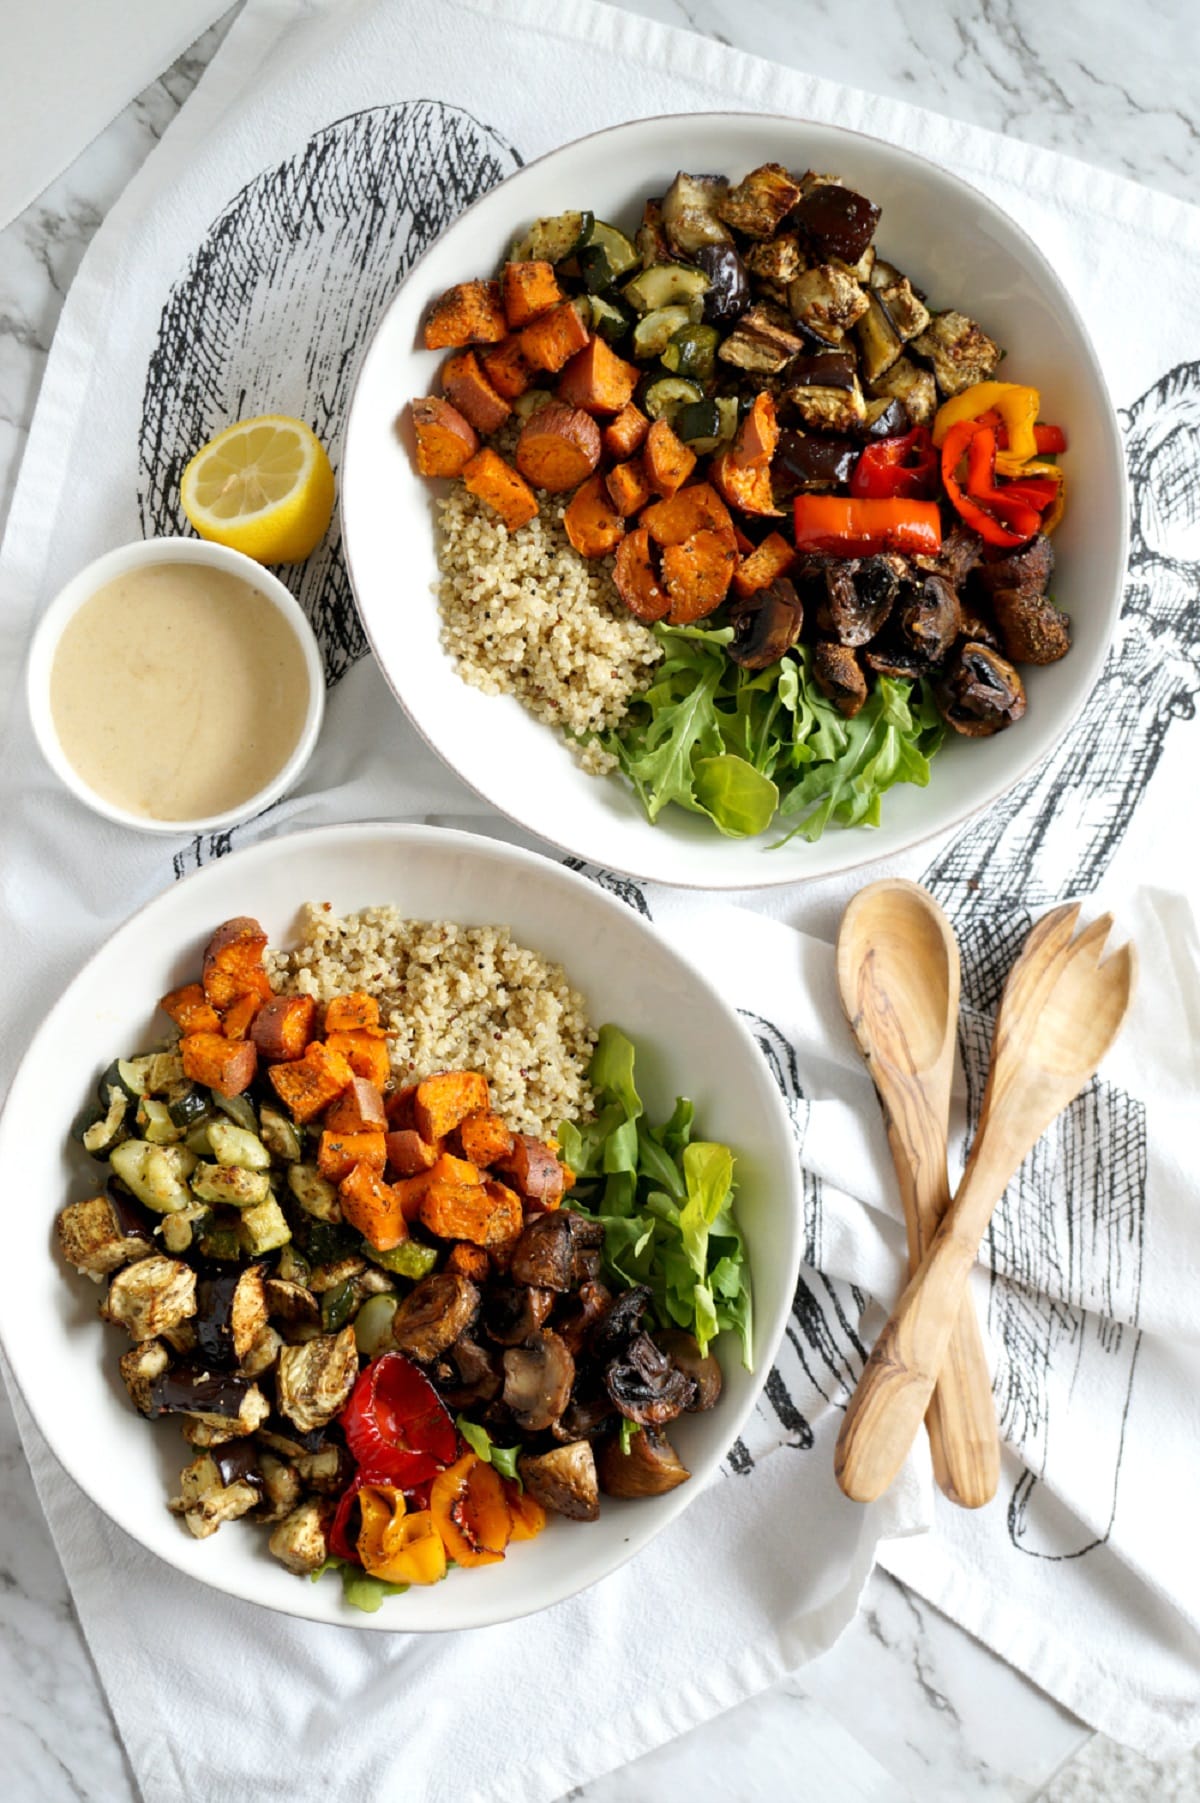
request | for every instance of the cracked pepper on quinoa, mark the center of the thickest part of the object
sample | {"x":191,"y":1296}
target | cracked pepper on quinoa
{"x":454,"y":997}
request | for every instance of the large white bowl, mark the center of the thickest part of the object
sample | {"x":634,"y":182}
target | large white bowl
{"x":689,"y":1042}
{"x":957,"y":246}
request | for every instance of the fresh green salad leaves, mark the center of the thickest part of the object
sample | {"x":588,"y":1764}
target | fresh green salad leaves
{"x":504,"y":1458}
{"x":359,"y":1588}
{"x":666,"y":1201}
{"x":741,"y":745}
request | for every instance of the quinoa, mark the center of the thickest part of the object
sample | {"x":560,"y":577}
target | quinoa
{"x":524,"y":614}
{"x":454,"y":998}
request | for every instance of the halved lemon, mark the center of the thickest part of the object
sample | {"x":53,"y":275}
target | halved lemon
{"x":263,"y":487}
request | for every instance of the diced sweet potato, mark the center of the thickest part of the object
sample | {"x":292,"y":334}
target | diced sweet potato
{"x":627,"y":433}
{"x":628,"y":489}
{"x":695,"y":509}
{"x":408,"y":1154}
{"x":233,"y":963}
{"x":464,"y":382}
{"x":365,"y":1052}
{"x":757,"y":436}
{"x":668,"y":461}
{"x":283,"y":1027}
{"x":507,"y":1221}
{"x":372,"y":1206}
{"x":352,"y":1013}
{"x":488,"y":476}
{"x":338,"y":1153}
{"x":226,"y":1065}
{"x":697,"y":575}
{"x":359,"y":1109}
{"x":483,"y":1213}
{"x":239,"y":1016}
{"x":470,"y":1261}
{"x":637,"y":580}
{"x":505,"y":367}
{"x":190,"y":1010}
{"x":308,"y":1085}
{"x":773,"y":558}
{"x":553,"y":338}
{"x":528,"y":289}
{"x":468,"y":313}
{"x":443,"y":1101}
{"x":747,"y":489}
{"x":591,"y":522}
{"x":449,"y":1169}
{"x":559,"y":447}
{"x":597,"y":380}
{"x":536,"y":1172}
{"x":446,"y":442}
{"x":484,"y":1138}
{"x":399,"y":1106}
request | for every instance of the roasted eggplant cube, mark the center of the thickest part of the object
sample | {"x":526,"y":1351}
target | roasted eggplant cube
{"x":778,"y":260}
{"x":205,"y":1500}
{"x":282,"y":1488}
{"x":689,"y":213}
{"x":762,"y":341}
{"x":827,"y":409}
{"x":838,"y":222}
{"x":231,"y":1312}
{"x":903,"y":305}
{"x":300,"y":1541}
{"x":759,"y":204}
{"x":150,"y":1296}
{"x":313,"y":1381}
{"x":879,"y":343}
{"x":141,"y":1366}
{"x":826,"y":301}
{"x":93,"y":1238}
{"x":960,"y":352}
{"x":914,"y":387}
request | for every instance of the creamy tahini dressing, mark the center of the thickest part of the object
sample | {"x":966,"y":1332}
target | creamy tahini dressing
{"x":178,"y":691}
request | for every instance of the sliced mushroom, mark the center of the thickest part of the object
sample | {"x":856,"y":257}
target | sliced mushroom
{"x":854,"y":596}
{"x":614,"y":1330}
{"x":578,"y":1316}
{"x":512,"y":1312}
{"x":434,"y":1313}
{"x":960,"y":551}
{"x":646,"y":1386}
{"x":550,"y":1252}
{"x":651,"y":1467}
{"x":973,"y":627}
{"x":97,"y":1238}
{"x":1032,"y":629}
{"x":886,"y":657}
{"x":563,"y":1480}
{"x":537,"y":1381}
{"x":300,"y":1541}
{"x":981,"y":693}
{"x":583,"y":1416}
{"x":467,"y":1373}
{"x":702,"y":1367}
{"x":930,"y":619}
{"x":313,"y":1381}
{"x":837,"y":674}
{"x":765,"y":624}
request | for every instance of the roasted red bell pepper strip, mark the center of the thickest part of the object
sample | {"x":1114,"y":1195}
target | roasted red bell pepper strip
{"x":1050,"y":440}
{"x":977,"y":444}
{"x":843,"y":526}
{"x":396,"y":1425}
{"x":341,"y":1545}
{"x":904,"y":466}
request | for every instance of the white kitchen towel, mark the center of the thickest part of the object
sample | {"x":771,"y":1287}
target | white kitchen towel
{"x":323,"y":150}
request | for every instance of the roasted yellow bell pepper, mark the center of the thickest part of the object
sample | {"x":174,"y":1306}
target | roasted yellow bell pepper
{"x":394,"y":1545}
{"x":1017,"y":407}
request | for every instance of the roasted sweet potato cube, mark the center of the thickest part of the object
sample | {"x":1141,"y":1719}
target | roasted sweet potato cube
{"x":528,"y":289}
{"x":695,"y":509}
{"x":442,"y":1102}
{"x":226,"y":1065}
{"x":772,"y":559}
{"x":468,"y":313}
{"x":597,"y":380}
{"x":410,"y":1191}
{"x":747,"y":488}
{"x":591,"y":522}
{"x":365,"y":1053}
{"x":283,"y":1027}
{"x":508,"y":1218}
{"x":233,"y":963}
{"x":466,"y":1260}
{"x":460,"y":1211}
{"x":359,"y":1109}
{"x":505,"y":367}
{"x":372,"y":1206}
{"x":666,"y":459}
{"x":697,"y":575}
{"x":338,"y":1153}
{"x":238,"y":1018}
{"x":626,"y":433}
{"x":311,"y":1083}
{"x":449,"y":1169}
{"x":553,"y":338}
{"x":505,"y":491}
{"x":628,"y":487}
{"x":467,"y":388}
{"x":352,"y":1013}
{"x":408,"y":1154}
{"x":446,"y":442}
{"x":191,"y":1010}
{"x":535,"y":1171}
{"x":399,"y":1106}
{"x":484,"y":1138}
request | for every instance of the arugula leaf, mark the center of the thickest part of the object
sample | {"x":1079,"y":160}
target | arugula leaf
{"x":504,"y":1458}
{"x":359,"y":1588}
{"x":737,"y":798}
{"x":626,"y":1432}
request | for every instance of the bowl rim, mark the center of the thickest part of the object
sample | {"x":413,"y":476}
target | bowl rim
{"x":1023,"y":766}
{"x":86,"y":583}
{"x":787,"y":1192}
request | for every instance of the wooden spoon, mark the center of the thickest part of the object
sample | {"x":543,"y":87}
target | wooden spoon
{"x":1059,"y":1014}
{"x":898,"y":972}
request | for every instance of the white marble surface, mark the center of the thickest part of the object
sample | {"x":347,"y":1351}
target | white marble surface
{"x":906,"y":1705}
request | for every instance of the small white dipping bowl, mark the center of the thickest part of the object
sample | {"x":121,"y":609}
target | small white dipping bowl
{"x":143,"y":554}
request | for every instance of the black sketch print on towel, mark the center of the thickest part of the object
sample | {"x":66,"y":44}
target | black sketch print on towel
{"x":280,"y":299}
{"x":1066,"y":1243}
{"x":623,"y":887}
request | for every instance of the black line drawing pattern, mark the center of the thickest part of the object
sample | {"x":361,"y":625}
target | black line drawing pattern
{"x":278,"y":302}
{"x":623,"y":887}
{"x":1066,"y":1243}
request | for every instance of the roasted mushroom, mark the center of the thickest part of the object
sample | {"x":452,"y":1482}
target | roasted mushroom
{"x":313,"y":1381}
{"x":467,"y":1373}
{"x":434,"y":1313}
{"x":512,"y":1312}
{"x":579,"y":1314}
{"x":550,"y":1252}
{"x":644,"y":1384}
{"x":837,"y":674}
{"x":1032,"y":629}
{"x":563,"y":1480}
{"x":929,"y":619}
{"x":651,"y":1467}
{"x":150,"y":1296}
{"x":702,"y":1367}
{"x":537,"y":1381}
{"x":854,"y":596}
{"x":98,"y":1236}
{"x":959,"y":553}
{"x":623,"y":1320}
{"x":980,"y":693}
{"x":765,"y":625}
{"x":728,"y":293}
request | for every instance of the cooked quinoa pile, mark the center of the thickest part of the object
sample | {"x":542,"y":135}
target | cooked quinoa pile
{"x":454,"y":998}
{"x":525,"y":615}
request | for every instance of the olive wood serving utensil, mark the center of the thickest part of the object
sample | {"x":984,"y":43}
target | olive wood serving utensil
{"x":898,"y":973}
{"x":1059,"y":1014}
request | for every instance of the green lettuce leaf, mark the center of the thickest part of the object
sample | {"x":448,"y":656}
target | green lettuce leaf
{"x":504,"y":1458}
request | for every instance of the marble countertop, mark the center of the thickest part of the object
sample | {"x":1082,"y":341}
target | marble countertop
{"x":906,"y":1705}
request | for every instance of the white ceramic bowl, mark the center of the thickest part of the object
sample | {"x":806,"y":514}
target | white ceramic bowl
{"x":956,"y":245}
{"x":142,"y":554}
{"x":689,"y":1042}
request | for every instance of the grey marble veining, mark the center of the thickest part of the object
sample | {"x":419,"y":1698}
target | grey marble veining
{"x":906,"y":1705}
